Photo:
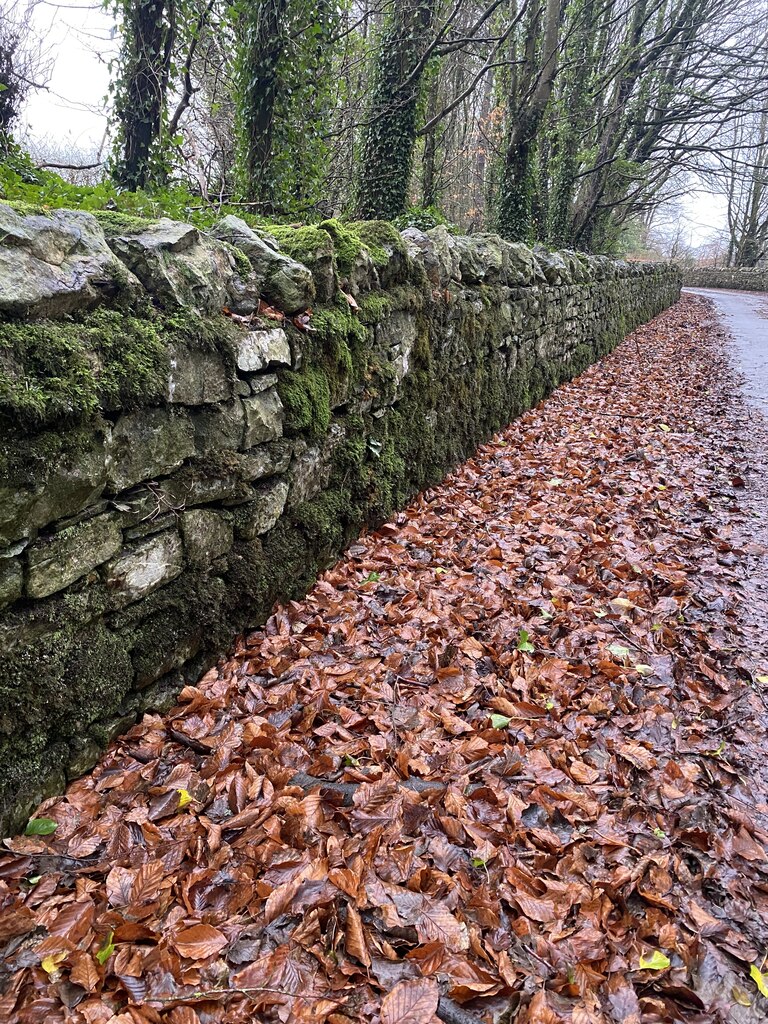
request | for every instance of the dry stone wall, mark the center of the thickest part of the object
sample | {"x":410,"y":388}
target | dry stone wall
{"x":168,"y":472}
{"x":731,"y":279}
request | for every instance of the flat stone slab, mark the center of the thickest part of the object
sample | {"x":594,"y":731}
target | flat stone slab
{"x":143,"y":568}
{"x":56,"y":562}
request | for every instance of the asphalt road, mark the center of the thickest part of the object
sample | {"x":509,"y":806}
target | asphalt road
{"x":745,"y":314}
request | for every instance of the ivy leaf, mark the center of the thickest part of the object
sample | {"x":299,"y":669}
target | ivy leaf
{"x":40,"y":827}
{"x":524,"y":642}
{"x":657,"y":961}
{"x":759,"y":979}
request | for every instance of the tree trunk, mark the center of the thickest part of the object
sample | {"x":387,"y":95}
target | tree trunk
{"x":429,"y":175}
{"x":390,"y":132}
{"x":514,"y":215}
{"x":261,"y":27}
{"x":149,"y":34}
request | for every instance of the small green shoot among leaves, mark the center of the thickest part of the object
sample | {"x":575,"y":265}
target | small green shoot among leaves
{"x":524,"y":642}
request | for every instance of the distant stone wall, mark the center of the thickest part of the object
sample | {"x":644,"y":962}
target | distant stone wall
{"x":731,"y":279}
{"x":169,"y":472}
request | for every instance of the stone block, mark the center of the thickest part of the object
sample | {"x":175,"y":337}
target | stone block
{"x":56,"y":562}
{"x":260,"y":350}
{"x":219,"y":427}
{"x":311,"y":468}
{"x":263,"y":418}
{"x":84,"y":754}
{"x":54,"y":264}
{"x":260,"y":515}
{"x":207,"y":535}
{"x":263,"y":382}
{"x":283,"y":282}
{"x":399,"y":328}
{"x":146,"y":444}
{"x":197,"y":377}
{"x":53,"y":486}
{"x":182,"y":268}
{"x":11,"y":580}
{"x":144,"y":567}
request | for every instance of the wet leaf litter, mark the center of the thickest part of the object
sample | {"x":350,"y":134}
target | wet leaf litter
{"x":506,"y":762}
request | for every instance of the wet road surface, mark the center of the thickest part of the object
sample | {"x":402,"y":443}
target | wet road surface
{"x":745,"y":315}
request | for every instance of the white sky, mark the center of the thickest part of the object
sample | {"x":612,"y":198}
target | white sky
{"x":79,"y":38}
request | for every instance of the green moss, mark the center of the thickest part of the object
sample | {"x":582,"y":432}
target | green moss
{"x":347,"y":244}
{"x":306,"y":397}
{"x":59,"y":370}
{"x":306,"y":244}
{"x":56,"y":686}
{"x":323,"y":521}
{"x":114,"y":223}
{"x":344,"y":242}
{"x":374,"y":307}
{"x":381,"y":238}
{"x":63,"y":371}
{"x":406,"y":297}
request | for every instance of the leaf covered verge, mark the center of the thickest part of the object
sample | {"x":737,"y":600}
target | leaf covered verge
{"x":540,"y":746}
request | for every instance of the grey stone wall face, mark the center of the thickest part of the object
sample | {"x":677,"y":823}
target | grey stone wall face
{"x":730,"y":279}
{"x":135,"y":551}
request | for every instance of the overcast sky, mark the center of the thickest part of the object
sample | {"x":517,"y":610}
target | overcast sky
{"x":79,"y":38}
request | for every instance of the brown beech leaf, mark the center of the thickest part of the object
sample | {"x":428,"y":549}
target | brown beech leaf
{"x":199,"y":942}
{"x":354,"y":937}
{"x":84,"y":972}
{"x":437,"y":924}
{"x":411,"y":1002}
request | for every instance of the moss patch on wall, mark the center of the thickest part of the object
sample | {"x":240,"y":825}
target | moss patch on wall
{"x":63,"y":371}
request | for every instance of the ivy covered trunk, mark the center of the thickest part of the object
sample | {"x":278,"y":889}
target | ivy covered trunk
{"x":515,"y":201}
{"x":262,"y":27}
{"x":572,"y":120}
{"x":527,"y":107}
{"x":148,"y":38}
{"x":389,"y":135}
